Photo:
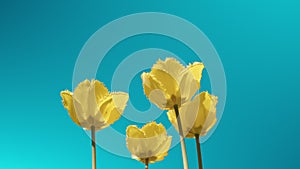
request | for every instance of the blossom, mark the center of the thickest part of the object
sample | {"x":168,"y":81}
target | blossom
{"x":148,"y":144}
{"x":197,"y":116}
{"x":92,"y":105}
{"x":169,"y":83}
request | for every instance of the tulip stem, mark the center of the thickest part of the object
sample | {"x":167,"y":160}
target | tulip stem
{"x":147,"y":163}
{"x":183,"y":148}
{"x":93,"y":147}
{"x":199,"y":151}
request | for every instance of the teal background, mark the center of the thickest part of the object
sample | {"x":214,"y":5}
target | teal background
{"x":258,"y":43}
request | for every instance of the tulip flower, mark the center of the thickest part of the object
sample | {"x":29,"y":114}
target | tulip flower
{"x":148,"y":144}
{"x":169,"y":85}
{"x":198,"y":117}
{"x":92,"y":107}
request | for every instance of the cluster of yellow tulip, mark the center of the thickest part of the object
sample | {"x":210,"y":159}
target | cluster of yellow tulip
{"x":170,"y":86}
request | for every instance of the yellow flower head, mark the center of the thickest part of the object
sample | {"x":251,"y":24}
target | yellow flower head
{"x":150,"y":143}
{"x":92,"y":105}
{"x":169,"y":83}
{"x":197,"y":116}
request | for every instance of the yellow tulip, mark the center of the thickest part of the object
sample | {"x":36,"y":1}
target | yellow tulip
{"x":93,"y":108}
{"x":169,"y":83}
{"x":148,"y":144}
{"x":197,"y":116}
{"x":92,"y":105}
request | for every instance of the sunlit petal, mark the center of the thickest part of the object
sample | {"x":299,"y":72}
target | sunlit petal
{"x":112,"y":106}
{"x":100,"y":90}
{"x":208,"y":110}
{"x":154,"y":90}
{"x":152,"y":129}
{"x":188,"y":86}
{"x":85,"y":95}
{"x":67,"y":97}
{"x":170,"y":66}
{"x":163,"y":149}
{"x":169,"y":83}
{"x":196,"y":68}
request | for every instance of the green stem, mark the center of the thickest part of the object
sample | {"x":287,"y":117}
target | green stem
{"x":199,"y":151}
{"x":183,"y":148}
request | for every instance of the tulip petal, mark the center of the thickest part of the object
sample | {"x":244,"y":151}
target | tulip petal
{"x":134,"y":140}
{"x":206,"y":114}
{"x":67,"y":101}
{"x":209,"y":123}
{"x":171,"y":66}
{"x":80,"y":114}
{"x":196,"y":68}
{"x":133,"y":131}
{"x":100,"y":90}
{"x":188,"y":86}
{"x":168,"y":82}
{"x":163,"y":149}
{"x":199,"y":118}
{"x":152,"y":129}
{"x":209,"y":109}
{"x":86,"y":96}
{"x":112,"y":106}
{"x":172,"y":118}
{"x":154,"y":134}
{"x":154,"y":90}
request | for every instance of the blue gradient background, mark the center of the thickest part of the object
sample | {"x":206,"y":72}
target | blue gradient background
{"x":258,"y":43}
